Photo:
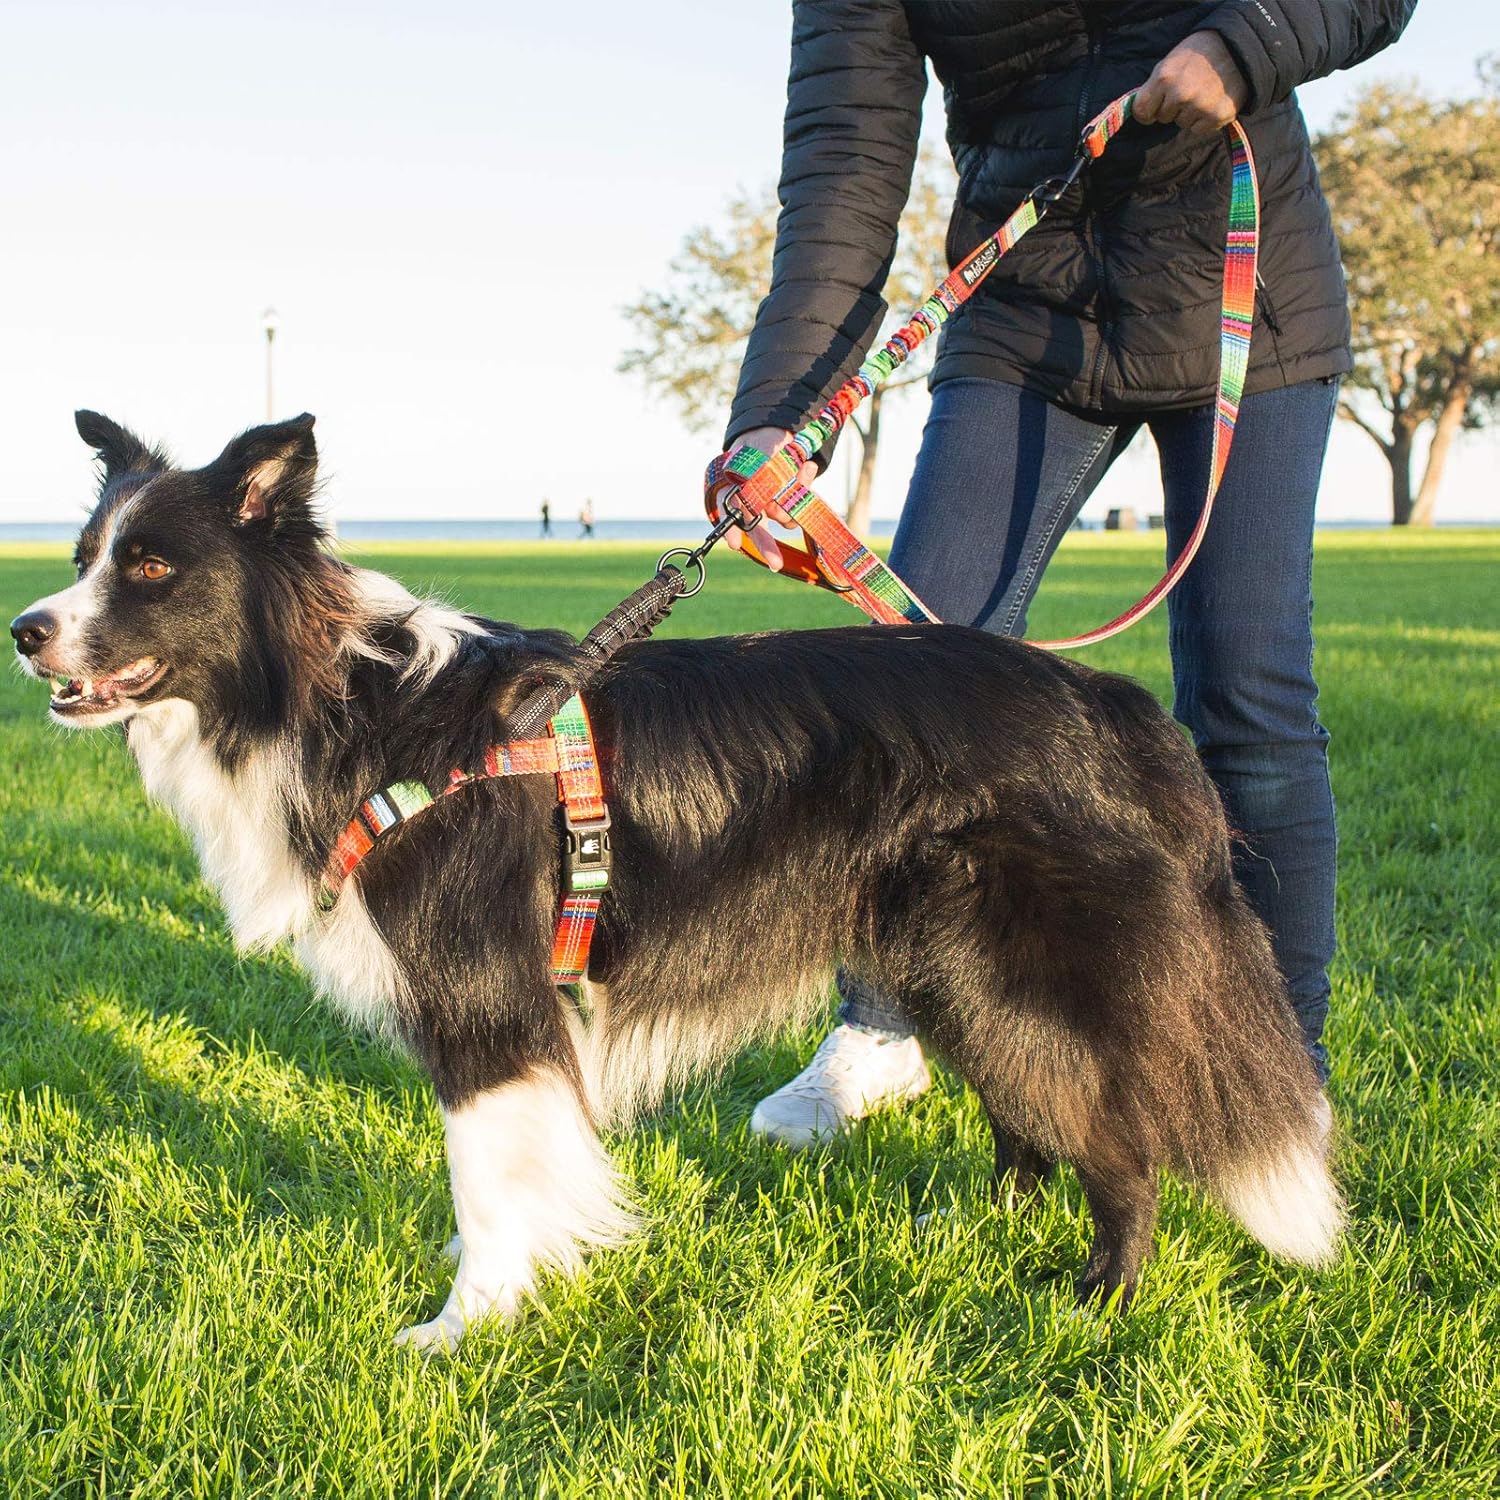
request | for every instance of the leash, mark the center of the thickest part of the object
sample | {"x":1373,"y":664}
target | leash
{"x":834,"y":557}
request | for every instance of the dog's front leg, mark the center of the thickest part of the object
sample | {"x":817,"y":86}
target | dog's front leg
{"x":532,"y":1187}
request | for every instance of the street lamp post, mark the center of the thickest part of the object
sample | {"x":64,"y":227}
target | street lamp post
{"x":270,"y":322}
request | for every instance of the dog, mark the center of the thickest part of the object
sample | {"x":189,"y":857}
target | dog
{"x":1023,"y":852}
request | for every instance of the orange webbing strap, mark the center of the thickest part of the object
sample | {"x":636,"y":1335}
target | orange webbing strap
{"x":586,"y":861}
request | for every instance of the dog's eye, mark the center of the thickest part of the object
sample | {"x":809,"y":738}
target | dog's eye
{"x":155,"y":569}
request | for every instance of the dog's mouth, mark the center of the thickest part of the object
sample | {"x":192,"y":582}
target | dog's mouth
{"x":78,"y":697}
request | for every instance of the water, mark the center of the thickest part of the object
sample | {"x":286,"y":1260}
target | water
{"x":627,"y":530}
{"x":688,"y":528}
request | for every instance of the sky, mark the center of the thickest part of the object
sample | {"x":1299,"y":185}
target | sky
{"x":448,"y":204}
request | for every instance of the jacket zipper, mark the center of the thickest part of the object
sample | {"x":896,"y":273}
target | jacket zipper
{"x":1268,"y":314}
{"x":1266,"y":310}
{"x":1093,"y":233}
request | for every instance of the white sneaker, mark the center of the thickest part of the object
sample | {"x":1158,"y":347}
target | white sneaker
{"x":852,"y":1074}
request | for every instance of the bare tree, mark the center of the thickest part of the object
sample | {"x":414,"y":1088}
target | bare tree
{"x":690,"y":335}
{"x":1415,"y":188}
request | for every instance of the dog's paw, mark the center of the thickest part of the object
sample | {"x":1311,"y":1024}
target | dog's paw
{"x":435,"y":1337}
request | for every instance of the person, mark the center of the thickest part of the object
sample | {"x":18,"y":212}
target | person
{"x":1104,"y":319}
{"x":546,"y":518}
{"x":586,"y":519}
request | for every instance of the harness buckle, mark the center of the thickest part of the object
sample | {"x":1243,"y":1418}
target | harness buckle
{"x":587,"y":852}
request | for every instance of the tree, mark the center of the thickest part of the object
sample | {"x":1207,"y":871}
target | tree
{"x":690,"y":336}
{"x":1415,"y":188}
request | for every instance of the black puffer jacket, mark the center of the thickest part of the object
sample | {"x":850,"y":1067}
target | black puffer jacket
{"x":1112,"y":302}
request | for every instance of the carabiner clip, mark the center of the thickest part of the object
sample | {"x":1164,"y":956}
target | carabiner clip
{"x":1050,"y":189}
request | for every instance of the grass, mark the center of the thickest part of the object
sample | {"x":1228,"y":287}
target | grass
{"x":216,"y":1206}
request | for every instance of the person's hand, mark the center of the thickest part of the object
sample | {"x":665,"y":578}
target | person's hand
{"x":768,"y":440}
{"x":1196,"y":87}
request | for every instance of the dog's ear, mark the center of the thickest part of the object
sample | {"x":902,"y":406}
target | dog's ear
{"x":120,"y":450}
{"x":270,"y":471}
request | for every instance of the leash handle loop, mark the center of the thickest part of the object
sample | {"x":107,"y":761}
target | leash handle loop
{"x":834,"y":558}
{"x":1236,"y":314}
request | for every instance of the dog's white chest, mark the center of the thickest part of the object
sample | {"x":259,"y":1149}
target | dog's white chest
{"x":238,"y":824}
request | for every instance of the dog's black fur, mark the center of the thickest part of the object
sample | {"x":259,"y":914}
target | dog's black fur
{"x":1022,"y":852}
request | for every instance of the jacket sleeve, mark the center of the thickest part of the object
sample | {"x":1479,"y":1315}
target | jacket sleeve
{"x":1281,"y":44}
{"x":853,"y":113}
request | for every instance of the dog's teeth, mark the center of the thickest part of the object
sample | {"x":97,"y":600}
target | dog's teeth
{"x":88,"y":687}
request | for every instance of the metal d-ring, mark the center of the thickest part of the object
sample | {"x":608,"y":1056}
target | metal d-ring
{"x":693,"y":559}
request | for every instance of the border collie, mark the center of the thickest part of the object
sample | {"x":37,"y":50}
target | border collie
{"x":1023,"y":851}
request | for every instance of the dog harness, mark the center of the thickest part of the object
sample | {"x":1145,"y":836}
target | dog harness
{"x":834,"y":558}
{"x":566,"y":752}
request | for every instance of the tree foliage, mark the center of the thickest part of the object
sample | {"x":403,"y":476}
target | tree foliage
{"x":1414,"y":184}
{"x":689,"y":334}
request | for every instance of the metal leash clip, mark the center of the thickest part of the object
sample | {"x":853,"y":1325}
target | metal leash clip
{"x":733,"y":516}
{"x":1050,"y":189}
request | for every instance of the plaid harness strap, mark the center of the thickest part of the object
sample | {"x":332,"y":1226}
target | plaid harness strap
{"x":566,"y":752}
{"x":748,"y":481}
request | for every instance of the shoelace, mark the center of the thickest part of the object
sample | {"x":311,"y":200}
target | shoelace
{"x":826,"y":1066}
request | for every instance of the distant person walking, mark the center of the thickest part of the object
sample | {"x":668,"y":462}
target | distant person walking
{"x":586,"y":519}
{"x":546,"y":518}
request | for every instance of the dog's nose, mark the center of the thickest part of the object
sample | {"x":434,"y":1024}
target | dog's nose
{"x":32,"y":631}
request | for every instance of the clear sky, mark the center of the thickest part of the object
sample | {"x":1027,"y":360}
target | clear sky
{"x":448,"y":203}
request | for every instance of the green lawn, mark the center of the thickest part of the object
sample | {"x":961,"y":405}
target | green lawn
{"x":217,"y":1207}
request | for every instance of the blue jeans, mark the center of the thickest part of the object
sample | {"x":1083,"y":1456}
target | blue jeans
{"x":1001,"y":476}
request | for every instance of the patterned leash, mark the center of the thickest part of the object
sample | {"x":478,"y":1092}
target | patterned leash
{"x":749,"y":481}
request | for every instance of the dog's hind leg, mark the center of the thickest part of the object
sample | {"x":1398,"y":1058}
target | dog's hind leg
{"x":532,"y":1186}
{"x":1020,"y":1169}
{"x":1122,"y":1197}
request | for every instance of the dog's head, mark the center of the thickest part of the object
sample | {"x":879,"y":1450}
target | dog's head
{"x":182,"y":576}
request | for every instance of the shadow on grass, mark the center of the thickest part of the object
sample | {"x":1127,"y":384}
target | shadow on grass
{"x":174,"y":1038}
{"x":144,"y":1029}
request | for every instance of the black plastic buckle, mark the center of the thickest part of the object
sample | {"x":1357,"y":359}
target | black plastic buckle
{"x":587,"y":852}
{"x":1050,"y":189}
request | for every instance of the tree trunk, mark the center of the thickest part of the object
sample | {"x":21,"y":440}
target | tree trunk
{"x":859,"y":507}
{"x":1399,"y":456}
{"x":1450,"y":419}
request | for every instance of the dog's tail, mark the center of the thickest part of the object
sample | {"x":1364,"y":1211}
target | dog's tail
{"x":1269,"y":1162}
{"x":1288,"y":1201}
{"x":1231,"y":1075}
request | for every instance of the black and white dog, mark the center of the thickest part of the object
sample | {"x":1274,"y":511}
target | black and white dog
{"x":1022,"y":851}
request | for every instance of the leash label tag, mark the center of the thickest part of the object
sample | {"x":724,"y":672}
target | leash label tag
{"x":973,"y":269}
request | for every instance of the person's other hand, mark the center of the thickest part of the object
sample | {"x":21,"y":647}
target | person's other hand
{"x":1196,"y":87}
{"x":768,"y":440}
